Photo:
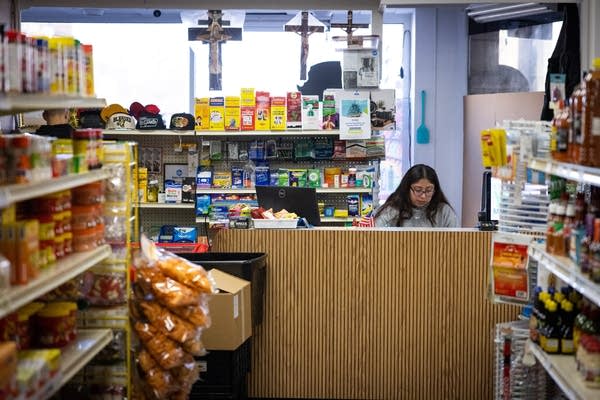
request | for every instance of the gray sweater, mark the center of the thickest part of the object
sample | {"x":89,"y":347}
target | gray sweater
{"x":444,"y":218}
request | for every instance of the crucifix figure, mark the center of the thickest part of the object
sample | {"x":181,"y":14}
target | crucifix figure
{"x":304,"y":28}
{"x":214,"y":34}
{"x":349,"y":27}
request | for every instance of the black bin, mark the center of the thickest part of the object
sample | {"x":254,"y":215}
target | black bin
{"x":249,"y":266}
{"x":223,"y":374}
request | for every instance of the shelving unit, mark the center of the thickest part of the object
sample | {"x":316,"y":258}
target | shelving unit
{"x":19,"y":103}
{"x":141,"y":133}
{"x":73,"y":358}
{"x":164,"y":205}
{"x":51,"y":278}
{"x":563,"y":370}
{"x":20,"y":192}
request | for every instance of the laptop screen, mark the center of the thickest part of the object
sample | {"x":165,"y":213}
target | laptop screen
{"x":299,"y":200}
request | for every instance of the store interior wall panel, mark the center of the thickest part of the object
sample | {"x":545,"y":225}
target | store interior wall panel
{"x":368,"y":314}
{"x":483,"y":111}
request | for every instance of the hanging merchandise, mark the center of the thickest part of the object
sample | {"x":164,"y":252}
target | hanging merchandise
{"x":509,"y":268}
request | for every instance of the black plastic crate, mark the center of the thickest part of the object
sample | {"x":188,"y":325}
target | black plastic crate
{"x":249,"y":266}
{"x":223,"y":373}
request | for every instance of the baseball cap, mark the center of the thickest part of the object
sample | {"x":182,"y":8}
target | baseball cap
{"x":120,"y":121}
{"x":112,"y":109}
{"x":149,"y":121}
{"x":182,"y":122}
{"x":90,"y":118}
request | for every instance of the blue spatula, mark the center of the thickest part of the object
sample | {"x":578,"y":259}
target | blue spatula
{"x":422,"y":130}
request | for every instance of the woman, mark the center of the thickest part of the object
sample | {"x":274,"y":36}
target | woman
{"x":418,"y":202}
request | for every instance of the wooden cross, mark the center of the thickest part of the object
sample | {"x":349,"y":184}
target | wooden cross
{"x":214,"y":34}
{"x":349,"y":27}
{"x":304,"y":30}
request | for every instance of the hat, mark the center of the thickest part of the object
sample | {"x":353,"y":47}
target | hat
{"x":90,"y":119}
{"x":150,"y":121}
{"x":110,"y":110}
{"x":120,"y":121}
{"x":136,"y":109}
{"x":182,"y":122}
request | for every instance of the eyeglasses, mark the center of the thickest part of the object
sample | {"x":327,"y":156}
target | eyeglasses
{"x":420,"y":191}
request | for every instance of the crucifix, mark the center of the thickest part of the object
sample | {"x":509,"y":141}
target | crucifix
{"x":305,"y":27}
{"x":214,"y":34}
{"x":349,"y":27}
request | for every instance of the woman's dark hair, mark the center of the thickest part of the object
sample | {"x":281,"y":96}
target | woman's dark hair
{"x":400,"y":199}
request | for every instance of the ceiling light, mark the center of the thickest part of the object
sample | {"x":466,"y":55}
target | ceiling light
{"x":496,"y":12}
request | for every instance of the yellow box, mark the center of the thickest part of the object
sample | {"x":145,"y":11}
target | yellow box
{"x":216,"y":108}
{"x":263,"y":111}
{"x":232,"y":113}
{"x":278,"y":114}
{"x":202,"y":114}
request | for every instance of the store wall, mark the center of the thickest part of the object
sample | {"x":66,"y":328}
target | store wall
{"x":440,"y":68}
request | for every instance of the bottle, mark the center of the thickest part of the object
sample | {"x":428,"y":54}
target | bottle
{"x":594,"y":256}
{"x":560,"y":133}
{"x":590,"y":123}
{"x":550,"y":334}
{"x":536,"y":313}
{"x":580,"y":320}
{"x":575,"y":105}
{"x":567,"y":318}
{"x":578,"y":230}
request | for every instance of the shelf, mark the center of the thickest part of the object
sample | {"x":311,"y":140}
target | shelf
{"x":252,"y":191}
{"x":18,"y":103}
{"x":164,"y":205}
{"x":572,"y":172}
{"x":138,"y":133}
{"x":328,"y":220}
{"x":567,"y":271}
{"x":74,"y":357}
{"x":563,"y":370}
{"x":50,"y":278}
{"x":19,"y":192}
{"x":256,"y":134}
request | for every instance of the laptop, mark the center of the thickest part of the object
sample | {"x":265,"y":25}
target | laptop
{"x":299,"y":200}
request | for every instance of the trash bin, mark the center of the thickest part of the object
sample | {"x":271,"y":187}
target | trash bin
{"x":249,"y":266}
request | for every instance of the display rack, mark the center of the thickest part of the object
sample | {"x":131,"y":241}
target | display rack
{"x":49,"y":279}
{"x":253,"y":191}
{"x":164,"y":205}
{"x":20,"y":103}
{"x":563,"y":370}
{"x":10,"y":194}
{"x":73,"y":358}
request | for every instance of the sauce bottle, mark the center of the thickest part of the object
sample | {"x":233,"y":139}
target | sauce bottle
{"x":560,"y":133}
{"x":550,"y":334}
{"x":590,"y":122}
{"x":575,"y":106}
{"x":567,"y":318}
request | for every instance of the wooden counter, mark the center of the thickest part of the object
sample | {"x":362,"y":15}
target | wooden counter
{"x":373,"y":314}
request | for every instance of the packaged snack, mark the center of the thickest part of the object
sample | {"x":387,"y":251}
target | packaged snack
{"x":160,"y":381}
{"x":196,"y":314}
{"x":186,"y":272}
{"x":167,"y":322}
{"x":164,"y":350}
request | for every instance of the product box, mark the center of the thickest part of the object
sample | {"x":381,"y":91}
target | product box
{"x":188,"y":190}
{"x":230,"y":313}
{"x":330,"y":115}
{"x":247,"y":109}
{"x":366,"y":204}
{"x":356,"y":149}
{"x":294,"y":110}
{"x":311,"y":113}
{"x":383,"y":109}
{"x":216,"y":106}
{"x":202,"y":114}
{"x":173,"y":191}
{"x":232,"y":113}
{"x":278,"y":114}
{"x":263,"y":111}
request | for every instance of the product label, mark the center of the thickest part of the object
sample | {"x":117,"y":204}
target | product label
{"x":596,"y":126}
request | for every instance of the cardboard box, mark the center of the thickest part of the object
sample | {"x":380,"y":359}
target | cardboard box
{"x":230,"y":313}
{"x":216,"y":106}
{"x":263,"y":111}
{"x":294,"y":110}
{"x":202,"y":114}
{"x":278,"y":113}
{"x":232,"y":113}
{"x":248,"y":109}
